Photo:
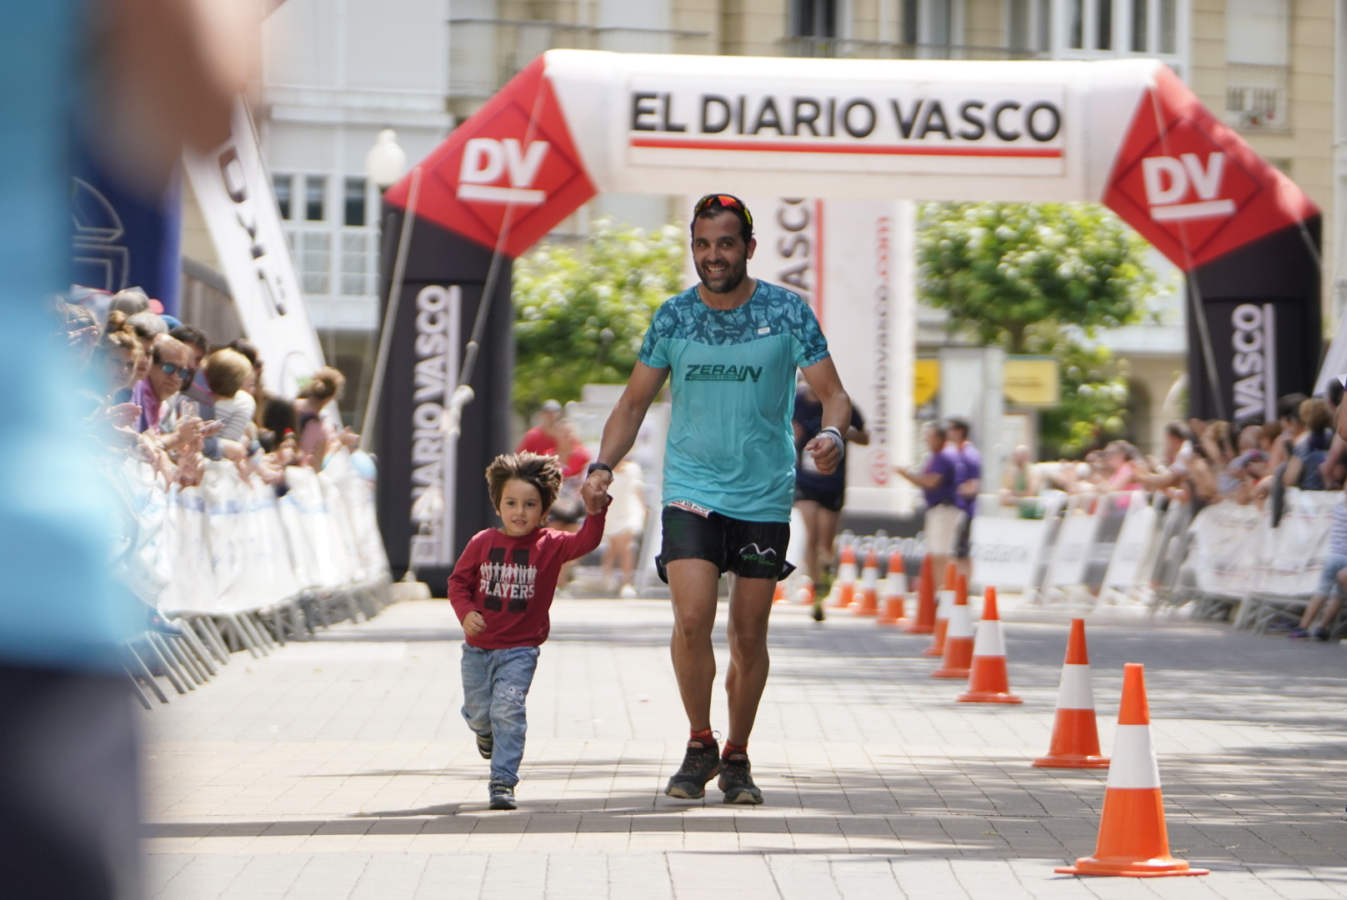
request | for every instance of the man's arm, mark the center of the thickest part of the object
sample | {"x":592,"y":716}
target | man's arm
{"x":619,"y":432}
{"x":827,"y":386}
{"x":924,"y":480}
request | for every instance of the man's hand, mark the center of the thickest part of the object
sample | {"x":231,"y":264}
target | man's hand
{"x":597,"y":503}
{"x":826,"y":448}
{"x":473,"y":624}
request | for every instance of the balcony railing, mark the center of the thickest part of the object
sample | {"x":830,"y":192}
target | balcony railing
{"x":1256,"y":97}
{"x":485,"y":53}
{"x":855,"y":48}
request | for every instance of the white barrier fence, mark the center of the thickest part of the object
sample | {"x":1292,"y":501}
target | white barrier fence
{"x":1128,"y":546}
{"x":231,"y":546}
{"x":212,"y":559}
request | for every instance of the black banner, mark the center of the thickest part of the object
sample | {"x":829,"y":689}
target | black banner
{"x":1260,"y":306}
{"x":431,"y":494}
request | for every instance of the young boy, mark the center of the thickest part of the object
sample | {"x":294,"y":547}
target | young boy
{"x":501,"y":589}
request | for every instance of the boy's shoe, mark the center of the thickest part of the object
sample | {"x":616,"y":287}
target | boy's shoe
{"x":502,"y":796}
{"x":736,"y":780}
{"x":485,"y":744}
{"x":700,"y":764}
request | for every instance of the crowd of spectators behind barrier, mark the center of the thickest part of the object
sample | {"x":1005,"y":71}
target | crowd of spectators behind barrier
{"x":1202,"y":461}
{"x":161,"y":389}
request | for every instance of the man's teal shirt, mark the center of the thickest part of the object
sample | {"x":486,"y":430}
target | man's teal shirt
{"x":732,"y":375}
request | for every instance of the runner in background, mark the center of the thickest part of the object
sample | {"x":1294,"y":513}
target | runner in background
{"x":818,"y":496}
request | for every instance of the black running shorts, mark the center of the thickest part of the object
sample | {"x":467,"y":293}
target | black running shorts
{"x":750,"y":549}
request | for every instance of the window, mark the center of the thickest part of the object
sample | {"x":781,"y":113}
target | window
{"x":282,"y":185}
{"x":1029,"y":26}
{"x":1257,"y":32}
{"x":355,"y":203}
{"x":315,"y":186}
{"x":932,"y":26}
{"x":315,"y":260}
{"x":359,"y":261}
{"x":814,"y":18}
{"x":1092,"y":29}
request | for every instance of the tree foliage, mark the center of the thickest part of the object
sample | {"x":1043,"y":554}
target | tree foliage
{"x":580,"y":312}
{"x":1042,"y":278}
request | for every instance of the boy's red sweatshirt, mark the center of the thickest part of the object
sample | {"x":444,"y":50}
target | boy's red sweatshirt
{"x":511,"y":580}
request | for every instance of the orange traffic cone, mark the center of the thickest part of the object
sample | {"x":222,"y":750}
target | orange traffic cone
{"x":895,"y":585}
{"x":869,"y":592}
{"x":805,"y":595}
{"x":1132,"y":838}
{"x":845,"y":585}
{"x":779,"y":592}
{"x":958,"y":657}
{"x":989,"y":682}
{"x":924,"y":623}
{"x":1075,"y":735}
{"x":942,"y":608}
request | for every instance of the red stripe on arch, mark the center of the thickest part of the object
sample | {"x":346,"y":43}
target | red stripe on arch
{"x":847,"y":149}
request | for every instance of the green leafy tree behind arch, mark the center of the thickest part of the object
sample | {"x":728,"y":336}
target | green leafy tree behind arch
{"x":580,"y":312}
{"x":1042,"y":278}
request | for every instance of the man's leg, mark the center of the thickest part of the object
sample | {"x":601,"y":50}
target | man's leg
{"x":692,"y":583}
{"x":809,"y":512}
{"x":750,"y":605}
{"x":825,"y":535}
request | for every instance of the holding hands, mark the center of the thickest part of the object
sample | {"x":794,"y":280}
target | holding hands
{"x":826,"y":448}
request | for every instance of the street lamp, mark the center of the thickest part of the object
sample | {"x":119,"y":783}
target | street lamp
{"x":384,"y":164}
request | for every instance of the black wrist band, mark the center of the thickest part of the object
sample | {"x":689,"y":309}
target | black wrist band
{"x":598,"y":467}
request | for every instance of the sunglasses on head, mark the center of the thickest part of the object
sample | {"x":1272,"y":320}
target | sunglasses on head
{"x":723,"y":201}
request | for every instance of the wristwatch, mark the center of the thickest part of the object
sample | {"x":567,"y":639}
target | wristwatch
{"x":598,"y":467}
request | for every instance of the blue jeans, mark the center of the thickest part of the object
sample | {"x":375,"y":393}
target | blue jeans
{"x":495,"y":686}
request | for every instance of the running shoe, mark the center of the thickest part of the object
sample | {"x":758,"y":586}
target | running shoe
{"x":736,"y":780}
{"x":485,"y":744}
{"x":700,"y":764}
{"x":502,"y":796}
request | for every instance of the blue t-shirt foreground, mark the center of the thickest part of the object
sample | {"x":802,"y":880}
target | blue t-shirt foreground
{"x":732,"y":376}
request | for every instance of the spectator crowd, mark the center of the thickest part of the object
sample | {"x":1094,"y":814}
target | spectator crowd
{"x":160,"y":389}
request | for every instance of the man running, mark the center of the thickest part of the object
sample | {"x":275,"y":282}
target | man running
{"x":730,"y":347}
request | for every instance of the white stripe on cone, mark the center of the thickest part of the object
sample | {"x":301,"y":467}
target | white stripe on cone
{"x":989,"y":640}
{"x":944,"y":603}
{"x":895,"y":585}
{"x":1133,"y":764}
{"x":960,"y":625}
{"x":1074,"y":690}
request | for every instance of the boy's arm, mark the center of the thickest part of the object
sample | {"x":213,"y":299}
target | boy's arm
{"x":574,"y":546}
{"x":463,"y":580}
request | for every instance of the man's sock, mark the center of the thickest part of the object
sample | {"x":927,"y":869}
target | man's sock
{"x":706,"y":737}
{"x":734,"y":748}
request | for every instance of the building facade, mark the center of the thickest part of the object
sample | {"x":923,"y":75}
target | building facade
{"x":339,"y":71}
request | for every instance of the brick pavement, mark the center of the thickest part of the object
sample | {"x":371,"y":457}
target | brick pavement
{"x":340,"y":768}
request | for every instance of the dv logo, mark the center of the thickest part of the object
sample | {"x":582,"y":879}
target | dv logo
{"x":1168,"y":180}
{"x":485,"y":160}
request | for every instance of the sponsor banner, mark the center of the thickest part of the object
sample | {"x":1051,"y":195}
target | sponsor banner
{"x":1006,"y":552}
{"x":1193,"y":187}
{"x":234,"y":193}
{"x":1124,"y":565}
{"x":1071,"y":551}
{"x":121,"y":238}
{"x":508,"y":174}
{"x":431,"y":497}
{"x":1260,"y":351}
{"x":896,"y":127}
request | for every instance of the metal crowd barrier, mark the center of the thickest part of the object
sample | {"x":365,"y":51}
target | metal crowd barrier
{"x":228,"y":565}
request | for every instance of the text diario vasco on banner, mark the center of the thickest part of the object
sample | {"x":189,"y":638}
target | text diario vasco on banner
{"x":923,"y":127}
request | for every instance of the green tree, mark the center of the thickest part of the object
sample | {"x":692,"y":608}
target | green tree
{"x":1042,"y":278}
{"x":580,"y":312}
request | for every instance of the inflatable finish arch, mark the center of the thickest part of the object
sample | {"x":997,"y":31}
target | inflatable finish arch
{"x":1127,"y":133}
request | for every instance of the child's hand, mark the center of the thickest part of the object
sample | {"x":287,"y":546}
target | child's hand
{"x":597,"y":503}
{"x":473,"y":624}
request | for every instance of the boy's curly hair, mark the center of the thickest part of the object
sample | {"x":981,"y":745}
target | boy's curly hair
{"x":543,"y":472}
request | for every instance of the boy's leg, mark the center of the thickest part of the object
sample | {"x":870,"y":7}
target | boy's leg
{"x":476,"y":670}
{"x":510,"y":682}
